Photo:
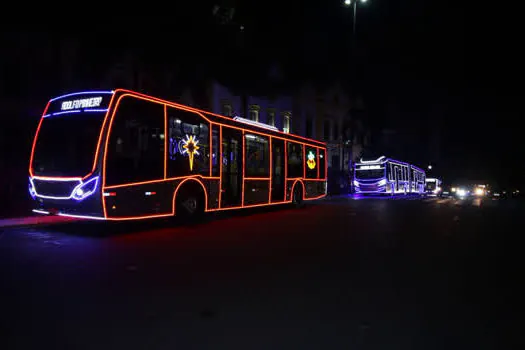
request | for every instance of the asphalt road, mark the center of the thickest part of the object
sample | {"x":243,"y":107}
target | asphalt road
{"x":337,"y":274}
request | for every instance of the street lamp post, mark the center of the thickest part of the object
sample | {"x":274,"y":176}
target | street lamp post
{"x":354,"y":4}
{"x":349,"y":143}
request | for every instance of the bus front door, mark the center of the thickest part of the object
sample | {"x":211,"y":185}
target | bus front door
{"x":231,"y":175}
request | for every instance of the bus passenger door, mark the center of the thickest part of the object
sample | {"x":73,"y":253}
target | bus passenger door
{"x":231,"y":175}
{"x":278,"y":182}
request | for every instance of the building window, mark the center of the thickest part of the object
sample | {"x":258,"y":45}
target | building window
{"x":287,"y":122}
{"x":309,"y":127}
{"x":271,"y":118}
{"x":227,"y":109}
{"x":253,"y":113}
{"x":326,"y":130}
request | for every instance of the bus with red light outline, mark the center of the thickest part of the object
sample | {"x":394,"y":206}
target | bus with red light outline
{"x":124,"y":155}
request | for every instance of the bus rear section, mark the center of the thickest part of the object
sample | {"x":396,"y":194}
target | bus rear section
{"x":164,"y":159}
{"x":64,"y":169}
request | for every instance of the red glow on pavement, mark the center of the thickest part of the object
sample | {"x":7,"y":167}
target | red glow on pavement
{"x":35,"y":220}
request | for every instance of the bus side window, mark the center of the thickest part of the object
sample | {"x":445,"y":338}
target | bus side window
{"x":322,"y":166}
{"x":257,"y":160}
{"x":136,"y":143}
{"x":295,"y":160}
{"x":311,"y":163}
{"x":189,"y":140}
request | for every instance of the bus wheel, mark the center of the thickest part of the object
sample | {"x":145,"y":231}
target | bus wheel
{"x":190,"y":203}
{"x":297,"y":198}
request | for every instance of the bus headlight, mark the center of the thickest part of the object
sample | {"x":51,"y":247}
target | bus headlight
{"x":356,"y":183}
{"x":86,"y":189}
{"x":382,"y":182}
{"x":479,"y":192}
{"x":32,"y":190}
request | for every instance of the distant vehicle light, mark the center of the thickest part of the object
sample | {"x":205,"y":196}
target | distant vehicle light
{"x":461,"y":192}
{"x":480,"y":191}
{"x":453,"y":189}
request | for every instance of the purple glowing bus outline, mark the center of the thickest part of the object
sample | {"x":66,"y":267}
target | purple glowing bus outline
{"x":398,"y":177}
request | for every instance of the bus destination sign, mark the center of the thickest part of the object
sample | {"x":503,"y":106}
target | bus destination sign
{"x":80,"y":102}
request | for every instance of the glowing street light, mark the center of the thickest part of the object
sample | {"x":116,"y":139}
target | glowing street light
{"x":430,"y":167}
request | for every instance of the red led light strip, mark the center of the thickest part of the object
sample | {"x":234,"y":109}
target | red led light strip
{"x":112,"y":111}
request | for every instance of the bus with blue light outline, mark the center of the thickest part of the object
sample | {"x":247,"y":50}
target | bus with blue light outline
{"x":387,"y":176}
{"x":123,"y":155}
{"x":433,"y":186}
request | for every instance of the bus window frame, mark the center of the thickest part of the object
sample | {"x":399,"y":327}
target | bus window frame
{"x":212,"y":124}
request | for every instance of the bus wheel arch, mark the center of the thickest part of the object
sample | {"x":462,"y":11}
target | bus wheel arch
{"x":190,"y":198}
{"x":297,"y":194}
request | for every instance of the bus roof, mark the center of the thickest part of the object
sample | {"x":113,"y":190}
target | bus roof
{"x":384,"y":159}
{"x":228,"y":121}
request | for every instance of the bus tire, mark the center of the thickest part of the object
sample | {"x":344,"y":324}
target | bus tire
{"x":297,"y":196}
{"x":190,"y":202}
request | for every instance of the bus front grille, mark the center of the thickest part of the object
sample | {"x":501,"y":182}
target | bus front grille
{"x":59,"y":189}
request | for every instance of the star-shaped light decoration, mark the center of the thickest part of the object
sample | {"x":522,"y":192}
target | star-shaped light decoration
{"x":311,"y":160}
{"x":189,"y":147}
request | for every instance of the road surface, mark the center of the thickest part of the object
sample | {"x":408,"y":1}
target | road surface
{"x":338,"y":274}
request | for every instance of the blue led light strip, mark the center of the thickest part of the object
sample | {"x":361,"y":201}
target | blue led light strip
{"x":82,"y":93}
{"x":75,"y":111}
{"x":65,"y":112}
{"x":96,"y":110}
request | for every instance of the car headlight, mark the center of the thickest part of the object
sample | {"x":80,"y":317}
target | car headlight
{"x":85,"y":189}
{"x":382,"y":182}
{"x":461,"y":192}
{"x":356,"y":183}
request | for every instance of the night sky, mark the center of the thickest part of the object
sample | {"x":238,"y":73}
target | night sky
{"x":445,"y":77}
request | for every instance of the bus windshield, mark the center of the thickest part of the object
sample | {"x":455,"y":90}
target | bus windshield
{"x":370,"y":173}
{"x":430,"y":186}
{"x":66,"y":144}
